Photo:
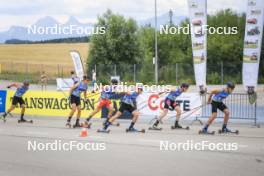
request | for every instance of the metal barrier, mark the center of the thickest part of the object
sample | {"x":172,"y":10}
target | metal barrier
{"x":239,"y":107}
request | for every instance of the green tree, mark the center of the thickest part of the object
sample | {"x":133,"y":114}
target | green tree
{"x":119,"y":45}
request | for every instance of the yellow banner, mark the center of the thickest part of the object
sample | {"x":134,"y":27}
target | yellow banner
{"x":52,"y":103}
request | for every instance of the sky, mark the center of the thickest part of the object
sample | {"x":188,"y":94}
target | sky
{"x":27,"y":12}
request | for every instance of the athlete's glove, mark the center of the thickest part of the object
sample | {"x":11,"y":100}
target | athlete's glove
{"x":8,"y":87}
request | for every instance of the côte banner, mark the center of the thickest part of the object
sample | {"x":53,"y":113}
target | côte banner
{"x":151,"y":104}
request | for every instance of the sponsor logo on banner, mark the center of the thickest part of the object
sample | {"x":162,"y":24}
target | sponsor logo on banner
{"x":151,"y":104}
{"x":198,"y":22}
{"x":252,"y":42}
{"x":52,"y":103}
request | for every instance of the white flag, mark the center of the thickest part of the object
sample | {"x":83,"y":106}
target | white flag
{"x":78,"y":65}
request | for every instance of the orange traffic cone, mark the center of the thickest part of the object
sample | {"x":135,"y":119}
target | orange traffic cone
{"x":84,"y":133}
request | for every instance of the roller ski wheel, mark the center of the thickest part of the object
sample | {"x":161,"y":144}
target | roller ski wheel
{"x":25,"y":121}
{"x":68,"y":125}
{"x":206,"y":132}
{"x":180,"y":128}
{"x":155,"y":128}
{"x":228,"y":132}
{"x":103,"y":131}
{"x":135,"y":131}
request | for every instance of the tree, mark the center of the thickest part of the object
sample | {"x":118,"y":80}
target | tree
{"x":119,"y":45}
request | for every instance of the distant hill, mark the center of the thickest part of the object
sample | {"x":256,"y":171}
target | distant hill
{"x":27,"y":34}
{"x":22,"y":34}
{"x":63,"y":40}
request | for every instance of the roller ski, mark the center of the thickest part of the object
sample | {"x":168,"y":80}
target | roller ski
{"x":155,"y":128}
{"x":206,"y":132}
{"x":116,"y":124}
{"x":133,"y":130}
{"x":103,"y":131}
{"x":112,"y":124}
{"x":155,"y":125}
{"x":25,"y":121}
{"x":228,"y":131}
{"x":179,"y":127}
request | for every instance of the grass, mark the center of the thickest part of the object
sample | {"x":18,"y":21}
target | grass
{"x":33,"y":58}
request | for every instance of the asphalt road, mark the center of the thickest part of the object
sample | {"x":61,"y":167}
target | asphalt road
{"x":126,"y":154}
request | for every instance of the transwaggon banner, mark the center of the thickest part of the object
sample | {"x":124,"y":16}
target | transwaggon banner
{"x":252,"y":43}
{"x":198,"y":23}
{"x":77,"y":61}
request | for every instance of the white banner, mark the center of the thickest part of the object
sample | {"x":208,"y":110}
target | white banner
{"x":64,"y":84}
{"x":151,"y":105}
{"x":252,"y":42}
{"x":198,"y":23}
{"x":77,"y":61}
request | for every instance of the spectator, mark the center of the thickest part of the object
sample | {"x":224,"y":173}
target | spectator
{"x":74,"y":78}
{"x":43,"y":81}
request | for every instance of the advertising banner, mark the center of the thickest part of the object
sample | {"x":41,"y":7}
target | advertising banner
{"x":198,"y":23}
{"x":2,"y":100}
{"x":52,"y":103}
{"x":252,"y":43}
{"x":151,"y":104}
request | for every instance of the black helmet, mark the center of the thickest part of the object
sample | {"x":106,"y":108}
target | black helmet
{"x":26,"y":82}
{"x":114,"y":81}
{"x":184,"y":85}
{"x":230,"y":85}
{"x":85,"y":77}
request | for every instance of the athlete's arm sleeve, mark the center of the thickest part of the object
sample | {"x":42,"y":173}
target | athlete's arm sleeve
{"x":13,"y":85}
